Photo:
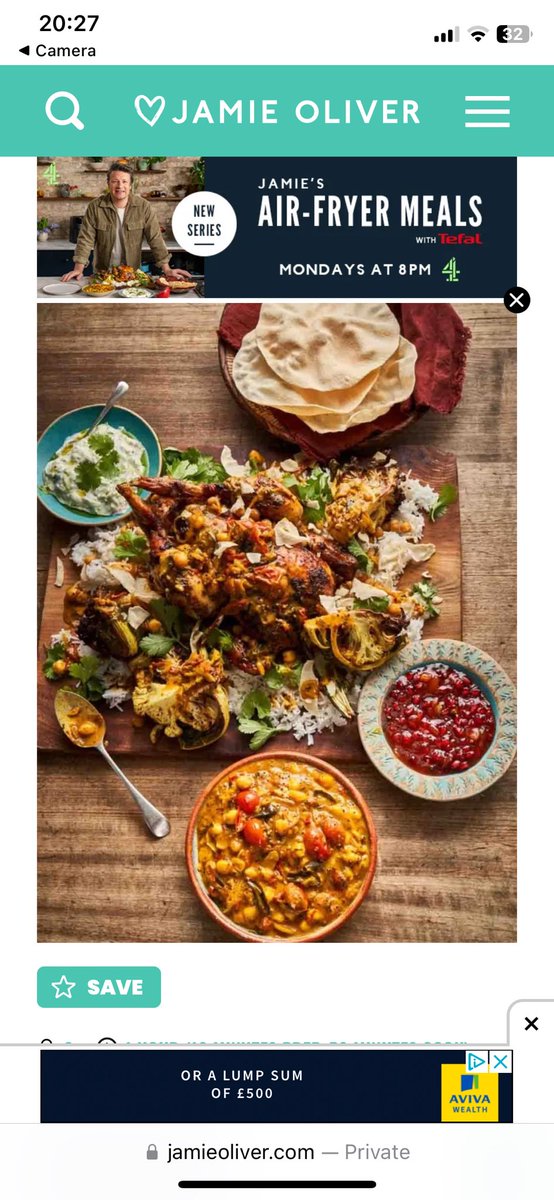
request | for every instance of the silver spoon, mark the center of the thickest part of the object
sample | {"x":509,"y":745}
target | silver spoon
{"x":85,"y":727}
{"x":118,"y":392}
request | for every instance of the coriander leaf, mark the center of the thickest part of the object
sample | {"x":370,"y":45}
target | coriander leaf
{"x":94,"y":688}
{"x":256,"y":702}
{"x":447,"y":495}
{"x":425,"y":591}
{"x":282,"y":676}
{"x":263,"y":735}
{"x":101,"y":443}
{"x":157,"y":645}
{"x":171,"y":617}
{"x":84,"y":672}
{"x":88,"y":476}
{"x":314,"y":491}
{"x":249,"y":724}
{"x":376,"y":604}
{"x":85,"y":668}
{"x":108,"y":464}
{"x":193,"y":464}
{"x":220,"y":638}
{"x":314,"y":516}
{"x":261,"y":731}
{"x":130,"y":545}
{"x":360,"y":554}
{"x":184,"y":470}
{"x":53,"y":654}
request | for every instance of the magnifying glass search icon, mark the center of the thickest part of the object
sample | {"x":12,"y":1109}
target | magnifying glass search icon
{"x":73,"y":118}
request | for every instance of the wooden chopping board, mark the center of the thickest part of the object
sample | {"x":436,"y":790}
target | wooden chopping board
{"x":342,"y":745}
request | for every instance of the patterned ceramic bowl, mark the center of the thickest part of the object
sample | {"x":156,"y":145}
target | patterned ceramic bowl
{"x":493,"y":682}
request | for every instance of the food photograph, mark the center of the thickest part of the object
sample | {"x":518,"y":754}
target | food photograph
{"x":276,"y":551}
{"x":85,"y":254}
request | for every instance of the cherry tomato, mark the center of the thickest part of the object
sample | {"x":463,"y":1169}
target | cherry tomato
{"x":332,"y":829}
{"x":316,"y":843}
{"x":255,"y":834}
{"x":163,"y":293}
{"x":248,"y":800}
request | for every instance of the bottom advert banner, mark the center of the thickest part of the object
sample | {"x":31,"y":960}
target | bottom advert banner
{"x":281,"y":1086}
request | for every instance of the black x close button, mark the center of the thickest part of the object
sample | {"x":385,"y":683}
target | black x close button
{"x":531,"y":1023}
{"x":517,"y":300}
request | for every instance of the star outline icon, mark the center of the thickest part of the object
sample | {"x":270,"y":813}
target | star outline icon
{"x":63,"y":988}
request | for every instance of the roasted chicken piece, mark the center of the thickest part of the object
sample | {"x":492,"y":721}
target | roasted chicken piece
{"x":362,"y":501}
{"x":185,"y":699}
{"x":195,"y":568}
{"x":168,"y":496}
{"x":189,"y":578}
{"x":271,"y":602}
{"x":275,"y":501}
{"x":270,"y":499}
{"x":295,"y":577}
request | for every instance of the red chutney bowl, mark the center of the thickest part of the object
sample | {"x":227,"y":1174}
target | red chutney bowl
{"x":482,"y":671}
{"x":191,"y":849}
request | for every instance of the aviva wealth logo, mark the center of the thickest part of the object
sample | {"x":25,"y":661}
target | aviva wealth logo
{"x":468,"y":1097}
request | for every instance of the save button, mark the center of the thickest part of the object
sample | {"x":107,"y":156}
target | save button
{"x":99,"y":987}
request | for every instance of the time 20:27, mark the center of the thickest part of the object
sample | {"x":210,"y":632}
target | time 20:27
{"x":78,"y":23}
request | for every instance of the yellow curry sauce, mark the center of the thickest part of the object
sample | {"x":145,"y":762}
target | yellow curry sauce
{"x":283,"y":848}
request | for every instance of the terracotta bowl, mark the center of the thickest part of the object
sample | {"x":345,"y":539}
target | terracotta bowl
{"x":239,"y":931}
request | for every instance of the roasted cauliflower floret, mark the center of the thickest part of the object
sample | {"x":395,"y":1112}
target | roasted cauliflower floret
{"x":362,"y":502}
{"x":159,"y":702}
{"x":358,"y":640}
{"x":185,"y":699}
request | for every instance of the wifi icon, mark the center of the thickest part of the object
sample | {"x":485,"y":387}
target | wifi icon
{"x":477,"y":32}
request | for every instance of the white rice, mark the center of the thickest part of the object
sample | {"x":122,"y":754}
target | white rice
{"x":115,"y":697}
{"x":99,"y":543}
{"x":288,"y":712}
{"x":409,"y":512}
{"x":414,"y":629}
{"x":417,"y":493}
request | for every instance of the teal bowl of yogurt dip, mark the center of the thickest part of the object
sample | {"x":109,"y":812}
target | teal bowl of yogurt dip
{"x":77,"y":480}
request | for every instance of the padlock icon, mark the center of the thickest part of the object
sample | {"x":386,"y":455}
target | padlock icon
{"x":152,"y":1151}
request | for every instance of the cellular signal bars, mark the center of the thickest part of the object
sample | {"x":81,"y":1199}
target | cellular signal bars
{"x":451,"y":35}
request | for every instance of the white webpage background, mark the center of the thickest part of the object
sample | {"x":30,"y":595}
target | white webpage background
{"x":316,"y":31}
{"x":236,"y":993}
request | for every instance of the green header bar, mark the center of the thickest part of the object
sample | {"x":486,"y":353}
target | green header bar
{"x":311,"y":110}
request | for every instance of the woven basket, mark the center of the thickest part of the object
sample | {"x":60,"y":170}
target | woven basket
{"x":270,"y":417}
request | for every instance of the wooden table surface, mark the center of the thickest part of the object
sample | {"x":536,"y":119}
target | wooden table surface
{"x":447,"y":872}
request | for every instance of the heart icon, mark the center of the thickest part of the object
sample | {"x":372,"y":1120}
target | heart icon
{"x":158,"y":100}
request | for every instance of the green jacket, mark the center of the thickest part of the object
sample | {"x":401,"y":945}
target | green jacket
{"x":98,"y":230}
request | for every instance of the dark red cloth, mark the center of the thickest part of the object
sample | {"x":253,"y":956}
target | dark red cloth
{"x":441,"y":340}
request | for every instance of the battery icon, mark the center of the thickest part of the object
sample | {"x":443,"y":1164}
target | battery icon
{"x":513,"y":33}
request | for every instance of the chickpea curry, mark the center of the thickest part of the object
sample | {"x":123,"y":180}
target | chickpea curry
{"x":79,"y":719}
{"x":283,"y":849}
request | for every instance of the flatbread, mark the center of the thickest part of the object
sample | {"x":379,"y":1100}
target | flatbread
{"x":258,"y":383}
{"x":395,"y":383}
{"x":326,"y":347}
{"x":392,"y":384}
